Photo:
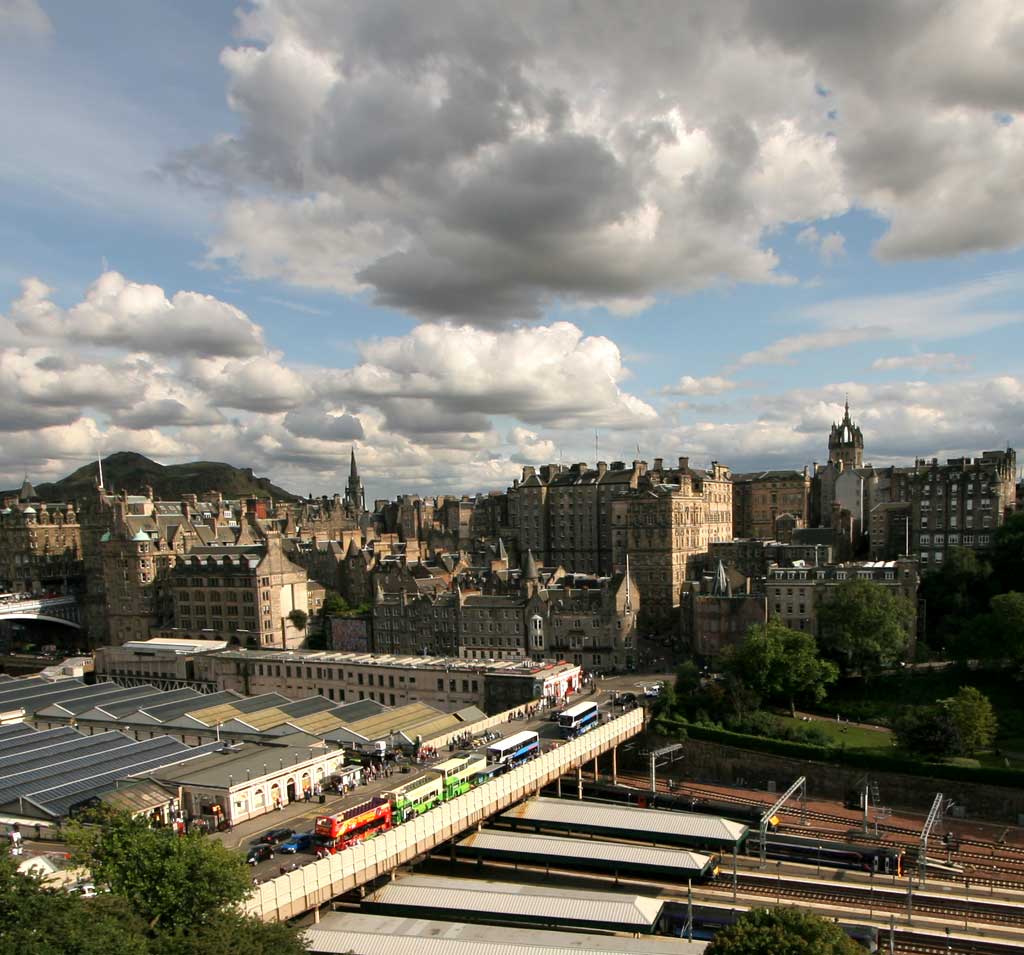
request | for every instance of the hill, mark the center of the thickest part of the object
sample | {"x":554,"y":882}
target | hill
{"x":132,"y":472}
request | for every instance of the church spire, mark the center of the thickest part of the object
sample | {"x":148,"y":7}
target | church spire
{"x":355,"y":497}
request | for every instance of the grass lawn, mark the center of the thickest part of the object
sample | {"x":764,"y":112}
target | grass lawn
{"x":852,"y":737}
{"x":880,"y":700}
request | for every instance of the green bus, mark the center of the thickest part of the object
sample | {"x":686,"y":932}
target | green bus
{"x":459,"y":773}
{"x":416,"y":796}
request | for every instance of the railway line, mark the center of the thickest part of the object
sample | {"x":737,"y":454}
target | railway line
{"x":1001,"y":866}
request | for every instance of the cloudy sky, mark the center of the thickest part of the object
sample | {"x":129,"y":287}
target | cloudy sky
{"x":467,"y":236}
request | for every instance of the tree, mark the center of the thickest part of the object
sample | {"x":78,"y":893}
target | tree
{"x":782,"y":665}
{"x":865,"y":626}
{"x":926,"y":731}
{"x":1008,"y":553}
{"x":334,"y":605}
{"x":954,"y":594}
{"x":1005,"y":626}
{"x":973,"y":720}
{"x":37,"y":920}
{"x":174,"y":882}
{"x":229,"y":934}
{"x":299,"y":618}
{"x":782,"y":931}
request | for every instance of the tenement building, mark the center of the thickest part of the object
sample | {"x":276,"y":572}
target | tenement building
{"x":770,"y":503}
{"x":40,"y":544}
{"x":533,"y":615}
{"x":718,"y":610}
{"x":249,"y":593}
{"x":796,"y":593}
{"x":960,"y":503}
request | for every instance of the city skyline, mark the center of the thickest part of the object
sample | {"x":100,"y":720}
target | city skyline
{"x":484,"y":238}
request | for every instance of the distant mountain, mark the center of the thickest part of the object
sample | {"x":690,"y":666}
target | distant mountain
{"x":132,"y":472}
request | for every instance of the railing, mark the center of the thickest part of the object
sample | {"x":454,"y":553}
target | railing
{"x":318,"y":882}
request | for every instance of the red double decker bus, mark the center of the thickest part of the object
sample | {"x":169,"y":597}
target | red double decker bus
{"x":354,"y":824}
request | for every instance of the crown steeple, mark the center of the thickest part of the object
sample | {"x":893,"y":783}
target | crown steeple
{"x":845,"y":441}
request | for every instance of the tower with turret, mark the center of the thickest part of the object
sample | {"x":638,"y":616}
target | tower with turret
{"x":845,"y":442}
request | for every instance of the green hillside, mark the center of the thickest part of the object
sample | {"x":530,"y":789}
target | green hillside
{"x":132,"y":472}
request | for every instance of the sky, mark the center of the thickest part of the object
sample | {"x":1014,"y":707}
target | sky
{"x":467,"y":236}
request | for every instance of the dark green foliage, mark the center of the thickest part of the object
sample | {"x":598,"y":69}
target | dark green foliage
{"x":973,"y":719}
{"x":133,"y":472}
{"x":926,"y":731}
{"x":169,"y":895}
{"x":782,"y":931}
{"x":781,"y":665}
{"x":299,"y":619}
{"x":171,"y":881}
{"x":1008,"y":554}
{"x":864,"y":626}
{"x":38,"y":921}
{"x":954,"y":594}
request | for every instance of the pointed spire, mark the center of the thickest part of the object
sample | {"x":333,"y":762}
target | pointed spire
{"x":530,"y":567}
{"x":721,"y":586}
{"x":353,"y":548}
{"x":353,"y":470}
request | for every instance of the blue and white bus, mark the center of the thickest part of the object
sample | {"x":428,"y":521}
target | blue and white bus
{"x":577,"y":719}
{"x":515,"y":749}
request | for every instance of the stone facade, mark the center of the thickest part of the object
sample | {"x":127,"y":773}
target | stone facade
{"x":717,"y":611}
{"x":796,"y":593}
{"x":764,"y":503}
{"x":243,"y":592}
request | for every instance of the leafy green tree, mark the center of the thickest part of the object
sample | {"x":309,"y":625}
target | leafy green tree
{"x":173,"y":882}
{"x":334,"y":605}
{"x":954,"y":594}
{"x":1005,"y":627}
{"x":865,"y":626}
{"x":973,"y":719}
{"x":782,"y":665}
{"x":925,"y":731}
{"x":37,"y":920}
{"x":229,"y":934}
{"x":782,"y":931}
{"x":299,"y":618}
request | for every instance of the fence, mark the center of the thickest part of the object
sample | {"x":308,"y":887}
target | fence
{"x":314,"y":884}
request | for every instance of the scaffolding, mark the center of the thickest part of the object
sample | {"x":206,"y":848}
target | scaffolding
{"x":801,"y":785}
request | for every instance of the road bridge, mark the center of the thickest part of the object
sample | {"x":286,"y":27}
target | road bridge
{"x":316,"y":883}
{"x":62,"y":609}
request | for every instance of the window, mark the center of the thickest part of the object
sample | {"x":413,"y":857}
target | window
{"x":440,"y":685}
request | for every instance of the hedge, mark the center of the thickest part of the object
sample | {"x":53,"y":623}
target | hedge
{"x":896,"y":763}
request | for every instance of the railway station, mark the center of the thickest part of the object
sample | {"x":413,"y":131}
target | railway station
{"x":685,"y":829}
{"x":588,"y":855}
{"x":511,"y":903}
{"x":361,"y":934}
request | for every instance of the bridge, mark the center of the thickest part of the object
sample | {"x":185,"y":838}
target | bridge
{"x":62,"y":609}
{"x":316,"y":883}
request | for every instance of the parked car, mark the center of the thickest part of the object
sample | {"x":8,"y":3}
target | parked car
{"x":275,"y":836}
{"x":300,"y":842}
{"x":85,"y":889}
{"x":260,"y":853}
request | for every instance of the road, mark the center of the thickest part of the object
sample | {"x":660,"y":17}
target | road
{"x":301,"y":816}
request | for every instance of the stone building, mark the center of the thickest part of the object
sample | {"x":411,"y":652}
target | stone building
{"x":40,"y":544}
{"x":846,"y":442}
{"x":247,"y":593}
{"x":717,"y":611}
{"x":753,"y":557}
{"x":960,"y":503}
{"x":796,"y":593}
{"x":534,"y":615}
{"x":765,"y":503}
{"x":667,"y":527}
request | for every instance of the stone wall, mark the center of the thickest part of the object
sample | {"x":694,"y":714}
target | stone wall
{"x":708,"y":762}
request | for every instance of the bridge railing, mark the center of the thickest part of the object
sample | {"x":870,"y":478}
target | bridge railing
{"x":318,"y":882}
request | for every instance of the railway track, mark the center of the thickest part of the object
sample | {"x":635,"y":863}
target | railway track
{"x":1000,"y":860}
